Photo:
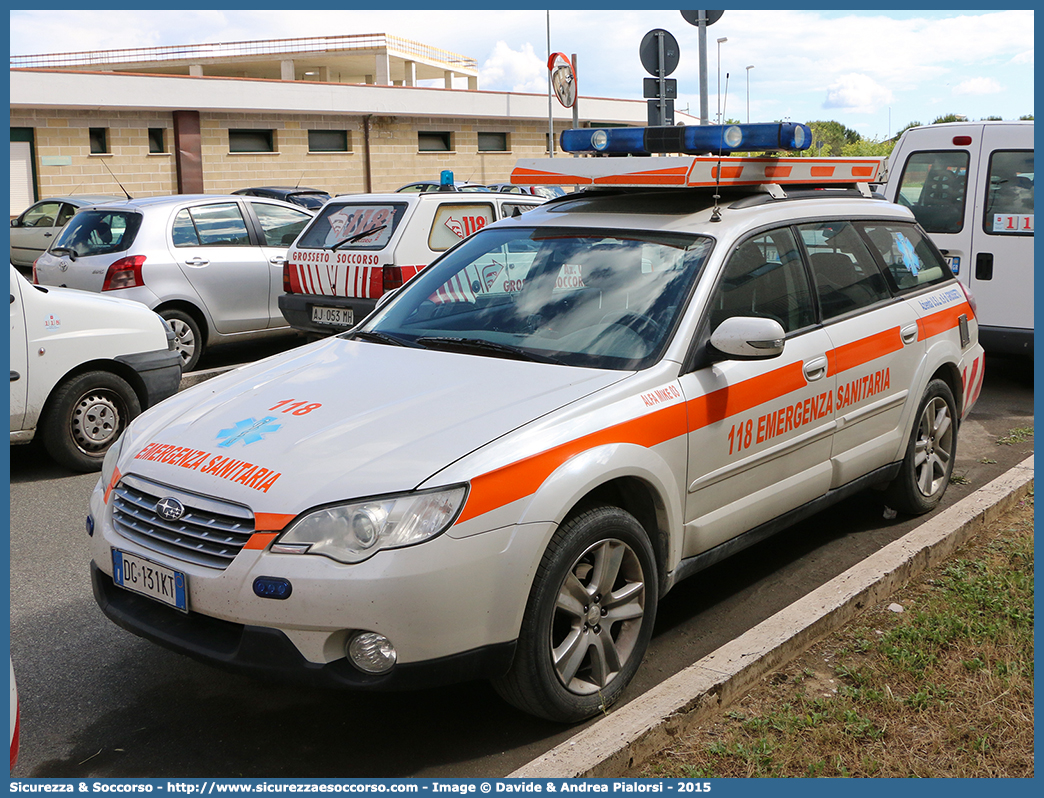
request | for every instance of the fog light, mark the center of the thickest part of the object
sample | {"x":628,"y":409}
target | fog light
{"x":273,"y":588}
{"x":371,"y":652}
{"x":90,"y":526}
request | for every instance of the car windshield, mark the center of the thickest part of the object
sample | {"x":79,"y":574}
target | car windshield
{"x":98,"y":232}
{"x":313,"y":201}
{"x":345,"y":226}
{"x":578,"y":297}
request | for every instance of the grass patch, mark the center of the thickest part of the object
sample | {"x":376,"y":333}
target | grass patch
{"x":943,"y":689}
{"x":1017,"y":435}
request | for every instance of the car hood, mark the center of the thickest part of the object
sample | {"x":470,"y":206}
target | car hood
{"x":342,"y":419}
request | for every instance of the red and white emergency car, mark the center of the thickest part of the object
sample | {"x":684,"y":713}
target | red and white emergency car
{"x":505,"y":468}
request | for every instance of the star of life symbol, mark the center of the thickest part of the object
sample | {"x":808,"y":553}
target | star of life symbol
{"x":248,"y":431}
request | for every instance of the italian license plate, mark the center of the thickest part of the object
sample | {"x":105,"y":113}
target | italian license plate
{"x":150,"y":579}
{"x":340,"y":317}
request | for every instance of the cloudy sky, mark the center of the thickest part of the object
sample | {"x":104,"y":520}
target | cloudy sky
{"x":873,"y":71}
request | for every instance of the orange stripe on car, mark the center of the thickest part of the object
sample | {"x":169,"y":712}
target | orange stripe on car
{"x":112,"y":483}
{"x":942,"y":321}
{"x":855,"y":354}
{"x":265,"y":522}
{"x":260,"y":540}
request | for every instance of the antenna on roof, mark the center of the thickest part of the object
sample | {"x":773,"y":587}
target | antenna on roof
{"x":299,"y":180}
{"x":716,"y":211}
{"x":118,"y":183}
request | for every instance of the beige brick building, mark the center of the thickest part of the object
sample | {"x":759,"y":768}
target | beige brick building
{"x":161,"y":124}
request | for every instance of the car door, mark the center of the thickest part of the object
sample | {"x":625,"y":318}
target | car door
{"x":279,"y":228}
{"x":1000,"y":273}
{"x":19,"y":353}
{"x":231,"y":274}
{"x":875,"y":341}
{"x":759,"y":430}
{"x":35,"y":230}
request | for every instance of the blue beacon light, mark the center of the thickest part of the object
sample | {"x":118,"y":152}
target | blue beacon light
{"x":689,"y":139}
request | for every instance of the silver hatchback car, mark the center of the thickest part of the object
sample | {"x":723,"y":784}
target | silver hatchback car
{"x":210,"y":265}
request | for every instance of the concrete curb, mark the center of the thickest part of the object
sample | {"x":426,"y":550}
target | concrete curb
{"x":631,"y":735}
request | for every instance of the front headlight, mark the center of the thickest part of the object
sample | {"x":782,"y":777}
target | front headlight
{"x":353,"y":532}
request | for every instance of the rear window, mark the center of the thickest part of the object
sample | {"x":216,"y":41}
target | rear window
{"x":934,"y":187}
{"x":99,"y":232}
{"x":345,"y":226}
{"x":455,"y":222}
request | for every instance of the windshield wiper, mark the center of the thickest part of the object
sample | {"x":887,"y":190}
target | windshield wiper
{"x":357,"y":236}
{"x":483,"y":347}
{"x":382,"y":338}
{"x":64,"y":251}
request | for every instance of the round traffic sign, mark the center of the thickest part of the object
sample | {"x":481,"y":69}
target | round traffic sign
{"x":649,"y":52}
{"x":693,"y":17}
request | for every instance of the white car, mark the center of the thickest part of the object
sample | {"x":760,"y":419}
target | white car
{"x":82,"y":366}
{"x":502,"y":471}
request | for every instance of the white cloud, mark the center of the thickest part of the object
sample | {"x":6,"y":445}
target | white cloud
{"x":857,"y":93}
{"x":513,"y":70}
{"x":978,"y":86}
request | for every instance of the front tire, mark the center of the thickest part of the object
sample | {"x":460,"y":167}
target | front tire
{"x":925,"y":472}
{"x":85,"y":416}
{"x":588,"y":620}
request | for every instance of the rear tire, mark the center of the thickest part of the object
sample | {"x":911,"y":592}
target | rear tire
{"x":85,"y":416}
{"x":188,"y":337}
{"x":930,"y":454}
{"x":588,"y":620}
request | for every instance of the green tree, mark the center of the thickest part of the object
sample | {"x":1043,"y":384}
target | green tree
{"x":1026,"y":118}
{"x":833,"y":135}
{"x":865,"y":148}
{"x":907,"y":127}
{"x":992,"y":119}
{"x":949,"y":118}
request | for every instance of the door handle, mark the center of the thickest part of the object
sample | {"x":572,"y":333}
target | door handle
{"x":47,"y":235}
{"x":15,"y":376}
{"x":984,"y":266}
{"x":816,"y":368}
{"x":909,"y":333}
{"x":197,"y":261}
{"x":278,"y":260}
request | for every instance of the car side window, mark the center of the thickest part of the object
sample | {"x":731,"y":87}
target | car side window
{"x":43,"y":215}
{"x":845,"y":273}
{"x":65,"y":214}
{"x":281,"y":226}
{"x":456,"y":221}
{"x":910,"y":262}
{"x":934,"y":187}
{"x":765,"y":277}
{"x":219,"y":225}
{"x":509,"y":209}
{"x":1009,"y":193}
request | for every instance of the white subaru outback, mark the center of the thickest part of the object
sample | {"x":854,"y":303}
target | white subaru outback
{"x":502,"y":470}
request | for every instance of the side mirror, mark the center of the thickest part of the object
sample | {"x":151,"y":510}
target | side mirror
{"x":15,"y":222}
{"x":749,"y":338}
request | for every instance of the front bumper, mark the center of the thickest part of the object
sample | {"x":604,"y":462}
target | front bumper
{"x":297,"y":310}
{"x":266,"y":652}
{"x":160,"y":372}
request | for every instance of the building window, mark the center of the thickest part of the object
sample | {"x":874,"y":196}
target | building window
{"x":156,"y":139}
{"x":328,"y":141}
{"x":492,"y":142}
{"x":434,"y":142}
{"x":251,"y":141}
{"x":99,"y":141}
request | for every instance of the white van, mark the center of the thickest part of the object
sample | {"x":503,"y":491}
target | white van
{"x":970,"y":185}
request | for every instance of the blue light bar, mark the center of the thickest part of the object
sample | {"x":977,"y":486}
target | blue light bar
{"x":689,"y":139}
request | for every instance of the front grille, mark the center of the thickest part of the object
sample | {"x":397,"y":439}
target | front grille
{"x":210,"y":533}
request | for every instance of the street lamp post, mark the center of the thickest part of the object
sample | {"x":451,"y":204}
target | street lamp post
{"x":721,"y":41}
{"x":748,"y":92}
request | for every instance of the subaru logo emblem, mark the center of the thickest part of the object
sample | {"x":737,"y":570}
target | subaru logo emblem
{"x":170,"y":509}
